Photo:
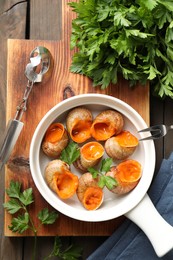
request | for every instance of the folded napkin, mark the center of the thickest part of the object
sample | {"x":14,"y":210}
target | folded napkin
{"x":129,"y":242}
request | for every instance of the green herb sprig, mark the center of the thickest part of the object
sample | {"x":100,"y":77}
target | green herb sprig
{"x":72,"y":252}
{"x":131,"y":38}
{"x":70,"y":153}
{"x":18,"y":204}
{"x":104,"y":180}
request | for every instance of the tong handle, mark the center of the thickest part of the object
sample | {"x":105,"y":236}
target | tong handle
{"x":11,"y":135}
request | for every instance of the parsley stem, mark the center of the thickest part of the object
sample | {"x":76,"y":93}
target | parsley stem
{"x":34,"y":230}
{"x":32,"y":227}
{"x":35,"y":246}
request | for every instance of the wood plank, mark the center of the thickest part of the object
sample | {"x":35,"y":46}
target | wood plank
{"x":156,"y":117}
{"x":45,"y":19}
{"x":7,"y":5}
{"x":168,"y":120}
{"x":45,"y":96}
{"x":12,"y":24}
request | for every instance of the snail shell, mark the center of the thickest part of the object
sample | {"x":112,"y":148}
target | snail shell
{"x":127,"y":175}
{"x":79,"y":121}
{"x":52,"y":167}
{"x":107,"y":124}
{"x":89,"y":193}
{"x":55,"y":140}
{"x":90,"y":155}
{"x":122,"y":146}
{"x":60,"y":179}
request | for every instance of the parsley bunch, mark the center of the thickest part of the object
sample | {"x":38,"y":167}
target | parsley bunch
{"x":126,"y":37}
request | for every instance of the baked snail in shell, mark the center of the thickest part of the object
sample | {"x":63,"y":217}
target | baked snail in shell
{"x":79,"y":121}
{"x":121,"y":146}
{"x":60,"y":179}
{"x":90,"y":155}
{"x":107,"y":124}
{"x":89,"y":193}
{"x":55,"y":140}
{"x":127,"y":175}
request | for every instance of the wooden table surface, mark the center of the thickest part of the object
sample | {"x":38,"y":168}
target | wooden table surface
{"x":42,"y":20}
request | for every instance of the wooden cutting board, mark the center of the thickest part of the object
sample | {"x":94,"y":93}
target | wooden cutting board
{"x":61,"y":84}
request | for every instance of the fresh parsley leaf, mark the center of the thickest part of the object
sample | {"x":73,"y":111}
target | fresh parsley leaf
{"x":94,"y":172}
{"x":107,"y":181}
{"x":73,"y":252}
{"x":12,"y":206}
{"x":20,"y":223}
{"x":120,"y":19}
{"x":110,"y":182}
{"x":150,"y":4}
{"x":104,"y":180}
{"x":70,"y":153}
{"x":106,"y":165}
{"x":47,"y":217}
{"x":26,"y":197}
{"x":14,"y":190}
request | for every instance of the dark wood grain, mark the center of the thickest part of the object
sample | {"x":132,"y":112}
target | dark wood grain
{"x":13,"y":25}
{"x":156,"y":116}
{"x":168,"y":120}
{"x":7,"y":5}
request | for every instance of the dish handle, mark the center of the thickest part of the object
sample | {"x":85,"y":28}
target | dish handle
{"x":159,"y":232}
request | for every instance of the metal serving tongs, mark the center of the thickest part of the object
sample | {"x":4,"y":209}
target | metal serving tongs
{"x":40,"y":59}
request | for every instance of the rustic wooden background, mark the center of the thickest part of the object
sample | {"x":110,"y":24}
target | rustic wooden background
{"x":38,"y":19}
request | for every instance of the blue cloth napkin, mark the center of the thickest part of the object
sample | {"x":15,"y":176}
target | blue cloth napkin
{"x":129,"y":242}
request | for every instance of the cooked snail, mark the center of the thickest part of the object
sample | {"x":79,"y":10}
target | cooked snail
{"x":121,"y":146}
{"x":127,"y":174}
{"x":60,"y":179}
{"x":55,"y":140}
{"x":79,"y":121}
{"x":107,"y":124}
{"x":89,"y":193}
{"x":90,"y":155}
